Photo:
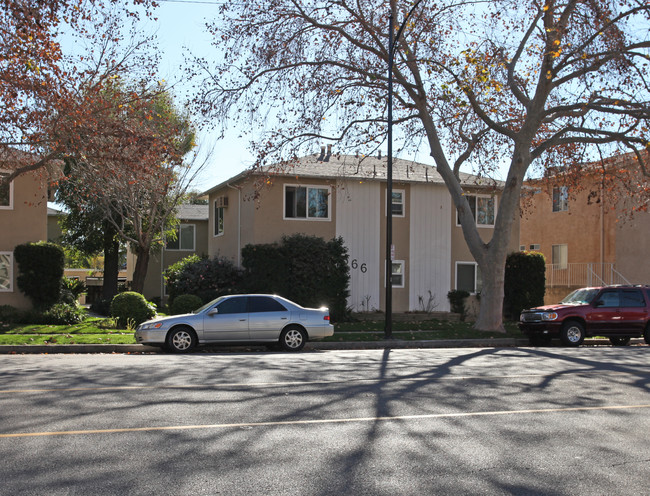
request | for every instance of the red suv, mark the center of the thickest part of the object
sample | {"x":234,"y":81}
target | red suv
{"x":616,"y":312}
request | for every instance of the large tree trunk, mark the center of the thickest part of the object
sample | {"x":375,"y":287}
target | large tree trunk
{"x":140,"y":272}
{"x":111,"y":262}
{"x":490,"y":316}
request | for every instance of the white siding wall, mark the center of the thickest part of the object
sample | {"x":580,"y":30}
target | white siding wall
{"x":357,"y":222}
{"x":430,"y":241}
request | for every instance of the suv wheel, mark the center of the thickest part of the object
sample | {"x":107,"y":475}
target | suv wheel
{"x":646,"y":334}
{"x":573,"y":333}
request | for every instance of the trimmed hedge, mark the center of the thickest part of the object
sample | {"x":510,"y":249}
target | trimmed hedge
{"x":40,"y":268}
{"x":185,"y":304}
{"x":305,"y":269}
{"x":202,"y":277}
{"x":130,"y":309}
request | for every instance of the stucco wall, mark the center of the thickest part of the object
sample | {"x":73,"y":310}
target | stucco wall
{"x":24,"y":222}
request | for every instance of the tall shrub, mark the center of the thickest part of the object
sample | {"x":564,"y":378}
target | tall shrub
{"x":525,"y":282}
{"x":203,"y":277}
{"x":306,"y":269}
{"x":40,"y":268}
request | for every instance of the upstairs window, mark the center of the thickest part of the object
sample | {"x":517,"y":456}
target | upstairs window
{"x":218,"y":219}
{"x":397,"y":203}
{"x":560,"y":199}
{"x":306,"y":202}
{"x":6,"y":192}
{"x":483,"y":210}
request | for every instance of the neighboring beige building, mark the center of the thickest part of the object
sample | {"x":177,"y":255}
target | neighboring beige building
{"x":192,"y":238}
{"x":340,"y":195}
{"x":23,"y":219}
{"x":585,"y":232}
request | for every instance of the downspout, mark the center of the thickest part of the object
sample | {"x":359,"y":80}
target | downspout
{"x":238,"y":223}
{"x":602,"y":226}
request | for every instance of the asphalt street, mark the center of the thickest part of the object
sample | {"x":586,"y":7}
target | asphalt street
{"x":551,"y":421}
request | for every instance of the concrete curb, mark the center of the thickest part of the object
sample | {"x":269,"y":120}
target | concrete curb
{"x":313,"y":346}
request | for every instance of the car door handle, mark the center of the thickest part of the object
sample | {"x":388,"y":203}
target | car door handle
{"x":283,"y":318}
{"x":242,"y":320}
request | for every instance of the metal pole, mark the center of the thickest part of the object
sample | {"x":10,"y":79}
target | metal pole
{"x":392,"y":42}
{"x":388,"y":327}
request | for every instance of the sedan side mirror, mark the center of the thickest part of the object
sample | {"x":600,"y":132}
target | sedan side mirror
{"x":212,"y":312}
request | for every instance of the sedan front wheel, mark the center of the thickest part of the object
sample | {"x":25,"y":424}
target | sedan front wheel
{"x":293,"y":339}
{"x":181,"y":340}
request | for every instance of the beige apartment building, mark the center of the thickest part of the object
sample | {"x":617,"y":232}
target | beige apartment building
{"x":331,"y":195}
{"x":585,"y":231}
{"x":23,"y":219}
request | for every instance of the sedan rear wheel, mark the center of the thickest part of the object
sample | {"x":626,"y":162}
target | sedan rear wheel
{"x":293,"y":338}
{"x":619,"y":341}
{"x":573,"y":333}
{"x":181,"y":340}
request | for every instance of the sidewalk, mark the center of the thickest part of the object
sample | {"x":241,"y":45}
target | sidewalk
{"x":311,"y":346}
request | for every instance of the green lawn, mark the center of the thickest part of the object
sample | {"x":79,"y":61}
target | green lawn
{"x":102,"y":331}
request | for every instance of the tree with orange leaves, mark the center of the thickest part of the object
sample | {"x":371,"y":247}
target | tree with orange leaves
{"x":52,"y":101}
{"x":521,"y":85}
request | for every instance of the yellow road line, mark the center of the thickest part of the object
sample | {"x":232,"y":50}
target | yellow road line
{"x":321,"y":421}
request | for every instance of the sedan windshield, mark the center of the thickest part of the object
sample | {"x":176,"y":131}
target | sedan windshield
{"x":580,"y":297}
{"x":209,"y":304}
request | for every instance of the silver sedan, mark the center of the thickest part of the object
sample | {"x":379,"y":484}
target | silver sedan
{"x":239,"y":319}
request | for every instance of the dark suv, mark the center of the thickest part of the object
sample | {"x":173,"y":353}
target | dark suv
{"x":616,"y":312}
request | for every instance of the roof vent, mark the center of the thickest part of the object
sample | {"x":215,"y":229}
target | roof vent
{"x":322,"y":153}
{"x":329,"y":153}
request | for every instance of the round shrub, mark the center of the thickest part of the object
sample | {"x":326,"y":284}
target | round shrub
{"x":62,"y":314}
{"x":130,"y":309}
{"x":186,"y":303}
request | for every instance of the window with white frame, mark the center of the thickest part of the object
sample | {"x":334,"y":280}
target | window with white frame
{"x":6,"y":271}
{"x":468,"y":277}
{"x":560,"y":199}
{"x":185,"y":238}
{"x":218,"y":219}
{"x":397,"y":203}
{"x":483,"y":209}
{"x":397,"y":273}
{"x":306,"y":202}
{"x":6,"y":192}
{"x":560,"y":256}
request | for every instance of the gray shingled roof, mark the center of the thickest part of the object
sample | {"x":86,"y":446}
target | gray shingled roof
{"x":339,"y":166}
{"x":193,"y":212}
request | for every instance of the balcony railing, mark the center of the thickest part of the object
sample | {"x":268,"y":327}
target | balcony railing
{"x":583,"y":274}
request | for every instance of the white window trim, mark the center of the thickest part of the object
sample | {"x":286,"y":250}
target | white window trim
{"x":11,"y":193}
{"x":214,"y":220}
{"x":563,"y":202}
{"x":10,"y":289}
{"x":403,"y":264}
{"x":308,"y":187}
{"x":480,"y":226}
{"x":178,"y":233}
{"x":461,"y":262}
{"x":403,"y":214}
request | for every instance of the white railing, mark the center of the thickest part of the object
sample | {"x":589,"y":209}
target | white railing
{"x":583,"y":274}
